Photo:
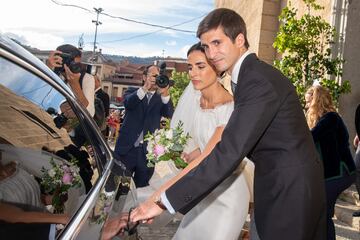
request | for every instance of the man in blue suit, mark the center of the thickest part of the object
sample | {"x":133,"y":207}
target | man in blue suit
{"x":144,"y":108}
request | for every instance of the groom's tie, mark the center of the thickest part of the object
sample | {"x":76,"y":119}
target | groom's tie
{"x":233,"y":87}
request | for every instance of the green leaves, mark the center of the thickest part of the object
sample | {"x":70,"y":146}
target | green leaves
{"x":181,"y":80}
{"x":305,"y":44}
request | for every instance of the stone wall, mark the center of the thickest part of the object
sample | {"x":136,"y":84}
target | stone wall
{"x":16,"y":129}
{"x":349,"y":102}
{"x":250,"y":10}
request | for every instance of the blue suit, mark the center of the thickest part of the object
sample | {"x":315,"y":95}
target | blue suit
{"x":140,"y":116}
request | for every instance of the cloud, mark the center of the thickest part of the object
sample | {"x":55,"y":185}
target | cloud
{"x":184,"y":50}
{"x":48,"y":25}
{"x":37,"y":40}
{"x":171,"y":43}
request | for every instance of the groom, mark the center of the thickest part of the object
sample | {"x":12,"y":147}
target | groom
{"x":268,"y":126}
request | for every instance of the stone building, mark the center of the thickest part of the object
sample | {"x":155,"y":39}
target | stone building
{"x":261,"y":17}
{"x":17,"y":130}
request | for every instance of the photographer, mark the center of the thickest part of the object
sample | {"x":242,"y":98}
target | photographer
{"x":66,"y":62}
{"x":144,"y":108}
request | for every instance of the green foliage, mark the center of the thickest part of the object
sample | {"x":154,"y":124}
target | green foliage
{"x":181,"y":81}
{"x":305,"y":43}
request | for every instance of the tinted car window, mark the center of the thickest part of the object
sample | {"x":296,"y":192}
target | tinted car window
{"x":37,"y":126}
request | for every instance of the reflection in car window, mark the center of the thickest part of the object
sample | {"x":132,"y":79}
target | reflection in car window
{"x":39,"y":130}
{"x":29,"y":86}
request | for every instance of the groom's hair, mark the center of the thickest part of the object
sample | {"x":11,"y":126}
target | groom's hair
{"x":196,"y":47}
{"x":230,"y":21}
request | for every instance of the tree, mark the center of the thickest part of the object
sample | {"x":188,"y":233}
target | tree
{"x":181,"y":80}
{"x":305,"y":45}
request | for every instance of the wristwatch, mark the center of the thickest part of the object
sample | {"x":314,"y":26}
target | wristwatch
{"x":159,"y":203}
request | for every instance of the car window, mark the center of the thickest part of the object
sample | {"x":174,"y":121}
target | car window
{"x":44,"y":147}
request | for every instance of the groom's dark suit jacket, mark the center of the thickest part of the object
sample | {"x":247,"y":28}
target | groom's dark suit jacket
{"x":268,"y":126}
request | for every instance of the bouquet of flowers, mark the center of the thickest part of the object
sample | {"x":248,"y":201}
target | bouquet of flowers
{"x":58,"y":180}
{"x":167,"y":144}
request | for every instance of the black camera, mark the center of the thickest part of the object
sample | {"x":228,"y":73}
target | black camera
{"x":162,"y":81}
{"x":59,"y":119}
{"x":68,"y":59}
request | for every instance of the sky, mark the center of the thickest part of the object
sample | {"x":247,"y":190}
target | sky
{"x":46,"y":24}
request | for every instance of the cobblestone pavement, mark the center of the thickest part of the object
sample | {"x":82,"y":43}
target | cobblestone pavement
{"x":343,"y":231}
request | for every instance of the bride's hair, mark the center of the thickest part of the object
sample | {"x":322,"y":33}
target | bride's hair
{"x":199,"y":47}
{"x":196,"y":47}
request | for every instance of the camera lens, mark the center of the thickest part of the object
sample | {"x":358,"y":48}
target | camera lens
{"x":162,"y":81}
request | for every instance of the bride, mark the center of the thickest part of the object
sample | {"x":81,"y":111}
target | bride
{"x":205,"y":108}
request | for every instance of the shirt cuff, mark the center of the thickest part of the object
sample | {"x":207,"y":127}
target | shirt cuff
{"x":52,"y":231}
{"x":166,"y":99}
{"x":140,"y":93}
{"x":166,"y":203}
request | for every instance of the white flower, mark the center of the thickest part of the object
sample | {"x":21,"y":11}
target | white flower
{"x":51,"y":173}
{"x":157,"y":138}
{"x":150,"y":147}
{"x":169,"y":134}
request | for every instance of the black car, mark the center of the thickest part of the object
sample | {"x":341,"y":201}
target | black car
{"x":40,"y":125}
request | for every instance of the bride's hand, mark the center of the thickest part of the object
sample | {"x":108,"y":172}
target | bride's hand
{"x":146,"y":212}
{"x":186,"y":157}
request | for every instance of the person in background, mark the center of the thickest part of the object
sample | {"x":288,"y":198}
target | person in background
{"x":332,"y":141}
{"x":144,"y":108}
{"x":105,"y":100}
{"x":81,"y":83}
{"x":113,"y":122}
{"x":357,"y":154}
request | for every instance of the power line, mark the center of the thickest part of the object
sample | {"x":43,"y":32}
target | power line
{"x":146,"y":34}
{"x":124,"y":19}
{"x":71,"y":5}
{"x":149,"y":24}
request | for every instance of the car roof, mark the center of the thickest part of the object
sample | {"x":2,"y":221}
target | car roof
{"x":15,"y":49}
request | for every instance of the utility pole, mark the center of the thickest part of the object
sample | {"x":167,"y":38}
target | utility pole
{"x":97,"y":23}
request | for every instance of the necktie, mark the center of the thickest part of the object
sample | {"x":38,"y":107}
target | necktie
{"x":148,"y":95}
{"x":140,"y":139}
{"x":233,"y":87}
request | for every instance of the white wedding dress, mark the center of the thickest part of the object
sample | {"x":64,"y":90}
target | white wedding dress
{"x":222,"y":214}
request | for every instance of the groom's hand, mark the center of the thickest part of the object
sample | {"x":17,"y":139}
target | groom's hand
{"x":146,"y":212}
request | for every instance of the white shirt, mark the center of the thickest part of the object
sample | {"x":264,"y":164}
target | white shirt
{"x":88,"y":88}
{"x":141,"y":94}
{"x":236,"y":69}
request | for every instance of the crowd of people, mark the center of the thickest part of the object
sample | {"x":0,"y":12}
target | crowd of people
{"x":253,"y":143}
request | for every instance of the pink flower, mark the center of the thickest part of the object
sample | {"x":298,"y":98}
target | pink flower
{"x":66,"y":168}
{"x":67,"y":178}
{"x":159,"y":150}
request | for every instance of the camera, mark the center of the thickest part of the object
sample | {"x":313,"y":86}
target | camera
{"x":162,"y":81}
{"x":68,"y":59}
{"x":59,"y":119}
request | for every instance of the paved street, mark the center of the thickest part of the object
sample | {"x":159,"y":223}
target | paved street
{"x":343,"y":230}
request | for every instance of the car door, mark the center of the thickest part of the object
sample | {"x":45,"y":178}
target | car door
{"x":41,"y":124}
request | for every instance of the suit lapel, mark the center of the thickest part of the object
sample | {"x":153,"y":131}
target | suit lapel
{"x":244,"y":66}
